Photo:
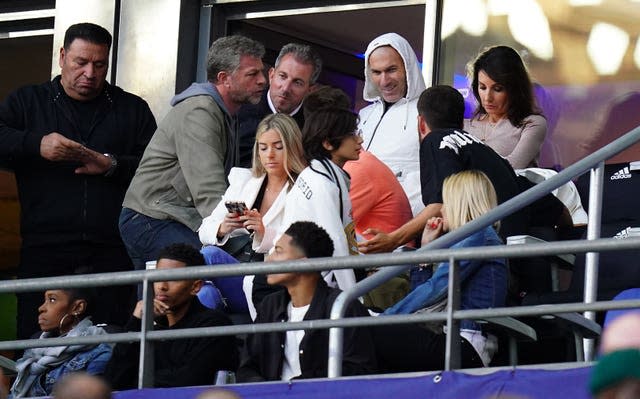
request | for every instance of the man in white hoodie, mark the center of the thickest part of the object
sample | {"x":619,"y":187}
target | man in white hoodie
{"x":393,"y":83}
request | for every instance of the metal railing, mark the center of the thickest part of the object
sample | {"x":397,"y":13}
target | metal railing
{"x":336,"y":323}
{"x":595,"y":162}
{"x":202,"y":272}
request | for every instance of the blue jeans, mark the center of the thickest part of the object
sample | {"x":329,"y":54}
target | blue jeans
{"x":144,"y":237}
{"x":418,"y":275}
{"x":230,"y":287}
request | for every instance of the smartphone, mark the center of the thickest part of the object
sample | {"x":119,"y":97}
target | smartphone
{"x":238,"y":207}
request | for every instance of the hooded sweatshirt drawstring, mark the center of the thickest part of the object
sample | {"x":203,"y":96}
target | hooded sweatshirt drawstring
{"x":406,"y":116}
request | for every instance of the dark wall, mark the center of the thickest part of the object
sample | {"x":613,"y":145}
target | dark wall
{"x":24,"y":61}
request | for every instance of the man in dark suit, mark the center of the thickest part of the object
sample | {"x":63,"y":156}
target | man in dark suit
{"x":296,"y":71}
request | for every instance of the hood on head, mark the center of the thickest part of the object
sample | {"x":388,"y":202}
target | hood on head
{"x":415,"y":83}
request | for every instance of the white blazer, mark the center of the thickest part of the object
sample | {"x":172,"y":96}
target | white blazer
{"x":244,"y":187}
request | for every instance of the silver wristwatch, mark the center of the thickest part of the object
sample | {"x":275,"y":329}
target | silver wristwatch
{"x":114,"y":164}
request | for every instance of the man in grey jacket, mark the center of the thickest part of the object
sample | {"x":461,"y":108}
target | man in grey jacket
{"x":183,"y":171}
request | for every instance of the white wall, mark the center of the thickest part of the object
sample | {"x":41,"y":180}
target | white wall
{"x":148,"y":51}
{"x":69,"y":12}
{"x":147,"y":45}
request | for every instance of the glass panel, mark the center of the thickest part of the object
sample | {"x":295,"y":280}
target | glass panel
{"x":583,"y":55}
{"x":26,"y":61}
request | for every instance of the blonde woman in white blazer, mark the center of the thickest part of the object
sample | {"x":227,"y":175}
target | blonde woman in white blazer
{"x":278,"y":159}
{"x":243,"y":186}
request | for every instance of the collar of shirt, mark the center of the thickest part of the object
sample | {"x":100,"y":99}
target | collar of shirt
{"x":273,"y":108}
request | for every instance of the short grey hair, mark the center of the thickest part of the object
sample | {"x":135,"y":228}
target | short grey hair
{"x":224,"y":54}
{"x":303,"y":54}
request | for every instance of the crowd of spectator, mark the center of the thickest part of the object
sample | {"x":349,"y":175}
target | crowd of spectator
{"x":259,"y":168}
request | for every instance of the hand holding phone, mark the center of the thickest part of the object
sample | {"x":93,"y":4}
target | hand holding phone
{"x":232,"y":220}
{"x":237,"y":207}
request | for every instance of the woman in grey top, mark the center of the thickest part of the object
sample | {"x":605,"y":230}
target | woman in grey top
{"x":506,"y":118}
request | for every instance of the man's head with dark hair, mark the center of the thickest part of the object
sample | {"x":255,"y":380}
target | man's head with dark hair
{"x":234,"y":66}
{"x":225,"y":54}
{"x":296,"y":71}
{"x":442,"y":107}
{"x":312,"y":240}
{"x":84,"y":61}
{"x":89,"y":32}
{"x":177,"y":295}
{"x":301,"y":240}
{"x":184,"y":253}
{"x":303,"y":54}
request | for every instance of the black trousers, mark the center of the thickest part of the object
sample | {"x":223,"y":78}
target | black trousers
{"x":113,"y":304}
{"x":410,"y":347}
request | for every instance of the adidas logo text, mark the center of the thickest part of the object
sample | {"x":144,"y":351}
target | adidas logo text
{"x":621,"y":174}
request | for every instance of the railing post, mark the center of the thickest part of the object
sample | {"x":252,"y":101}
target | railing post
{"x":146,"y":366}
{"x":452,"y":348}
{"x":592,"y":258}
{"x":336,"y":337}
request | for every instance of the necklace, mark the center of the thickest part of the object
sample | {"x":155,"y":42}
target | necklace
{"x":488,"y":129}
{"x":268,"y":189}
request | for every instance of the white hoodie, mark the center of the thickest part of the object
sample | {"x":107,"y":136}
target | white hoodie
{"x":321,"y":195}
{"x":393,"y":137}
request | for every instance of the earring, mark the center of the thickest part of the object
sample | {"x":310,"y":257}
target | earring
{"x":62,"y":321}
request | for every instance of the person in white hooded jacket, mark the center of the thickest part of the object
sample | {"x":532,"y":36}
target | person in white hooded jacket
{"x":330,"y":138}
{"x":393,"y":83}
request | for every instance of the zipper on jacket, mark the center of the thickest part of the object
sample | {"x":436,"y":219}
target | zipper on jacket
{"x":84,"y":207}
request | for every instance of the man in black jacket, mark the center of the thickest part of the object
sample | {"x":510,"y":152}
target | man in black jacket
{"x":182,"y":362}
{"x":303,"y":353}
{"x":74,"y":144}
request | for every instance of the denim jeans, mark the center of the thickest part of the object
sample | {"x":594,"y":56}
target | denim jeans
{"x":229,"y":287}
{"x":483,"y":282}
{"x":144,"y":237}
{"x":418,"y":275}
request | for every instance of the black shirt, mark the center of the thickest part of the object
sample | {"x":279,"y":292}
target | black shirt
{"x":448,"y":151}
{"x":182,"y":362}
{"x":620,"y":186}
{"x":85,"y":114}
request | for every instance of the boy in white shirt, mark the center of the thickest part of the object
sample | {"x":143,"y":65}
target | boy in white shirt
{"x":304,"y":353}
